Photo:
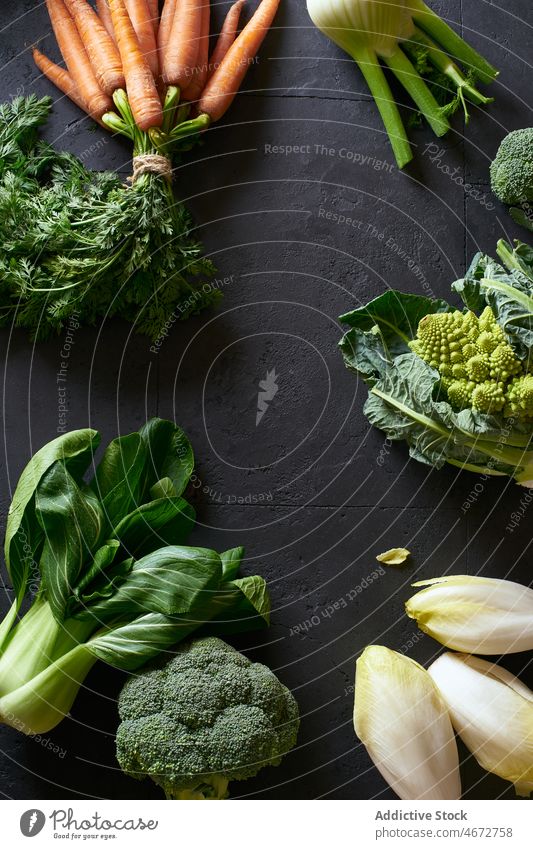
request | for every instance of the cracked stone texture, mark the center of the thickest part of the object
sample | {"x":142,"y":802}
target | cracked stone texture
{"x":313,"y":492}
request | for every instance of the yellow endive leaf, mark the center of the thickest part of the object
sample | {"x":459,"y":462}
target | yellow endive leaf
{"x":394,"y":556}
{"x":402,"y":720}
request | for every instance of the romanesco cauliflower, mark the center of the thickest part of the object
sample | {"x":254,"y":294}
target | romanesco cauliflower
{"x":477,"y":366}
{"x":520,"y":397}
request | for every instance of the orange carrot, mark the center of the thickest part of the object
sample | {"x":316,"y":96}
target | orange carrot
{"x":101,"y":49}
{"x":179,"y":58}
{"x":222,"y":87}
{"x":141,"y":18}
{"x":165,"y":27}
{"x":195,"y":87}
{"x":153,"y":8}
{"x":61,"y":79}
{"x":227,"y":35}
{"x":140,"y":85}
{"x":105,"y":16}
{"x":77,"y":61}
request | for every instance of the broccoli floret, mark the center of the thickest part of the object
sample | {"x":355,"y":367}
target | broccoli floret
{"x":511,"y":172}
{"x":207,"y":717}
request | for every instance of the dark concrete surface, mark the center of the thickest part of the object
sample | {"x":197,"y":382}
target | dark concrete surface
{"x":312,"y":492}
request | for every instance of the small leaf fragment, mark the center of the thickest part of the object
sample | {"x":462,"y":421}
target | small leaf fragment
{"x":394,"y":556}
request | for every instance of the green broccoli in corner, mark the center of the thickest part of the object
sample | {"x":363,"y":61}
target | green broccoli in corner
{"x":511,"y":175}
{"x":207,"y":717}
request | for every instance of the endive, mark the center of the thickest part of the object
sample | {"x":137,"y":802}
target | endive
{"x":370,"y":30}
{"x":475,"y":615}
{"x":492,"y":711}
{"x":403,"y":722}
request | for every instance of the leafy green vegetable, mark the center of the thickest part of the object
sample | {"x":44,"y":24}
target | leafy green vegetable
{"x":23,"y":531}
{"x":456,"y":387}
{"x":171,"y":518}
{"x":206,"y":717}
{"x":73,"y":241}
{"x":117,"y":582}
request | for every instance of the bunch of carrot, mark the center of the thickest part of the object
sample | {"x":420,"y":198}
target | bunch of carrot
{"x":112,"y":249}
{"x":159,"y":61}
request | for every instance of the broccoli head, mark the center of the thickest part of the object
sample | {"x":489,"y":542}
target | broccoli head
{"x":207,"y":717}
{"x":511,"y":172}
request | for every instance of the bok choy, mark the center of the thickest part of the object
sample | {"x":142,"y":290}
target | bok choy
{"x":114,"y":579}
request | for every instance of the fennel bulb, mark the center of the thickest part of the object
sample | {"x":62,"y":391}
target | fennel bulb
{"x":373,"y":30}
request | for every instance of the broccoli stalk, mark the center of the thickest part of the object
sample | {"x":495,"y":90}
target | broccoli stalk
{"x":205,"y":787}
{"x":205,"y":718}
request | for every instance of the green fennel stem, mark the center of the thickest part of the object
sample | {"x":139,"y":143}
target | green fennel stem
{"x":447,"y":66}
{"x":380,"y":90}
{"x":452,"y":43}
{"x":418,"y":90}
